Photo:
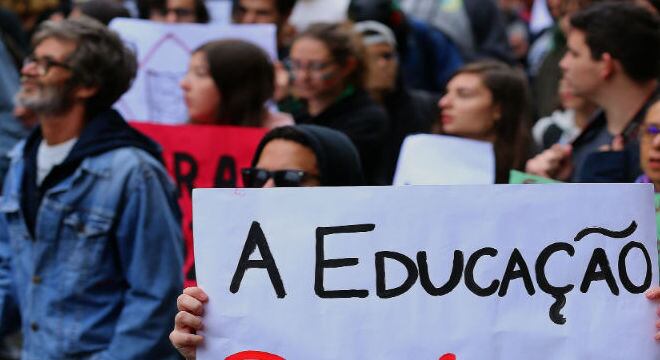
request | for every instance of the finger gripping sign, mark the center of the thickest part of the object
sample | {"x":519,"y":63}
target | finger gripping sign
{"x":428,"y":272}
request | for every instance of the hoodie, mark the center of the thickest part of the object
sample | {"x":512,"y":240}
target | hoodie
{"x":337,"y":158}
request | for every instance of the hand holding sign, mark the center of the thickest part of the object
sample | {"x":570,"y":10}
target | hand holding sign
{"x":188,"y":321}
{"x":291,"y":272}
{"x":654,"y":294}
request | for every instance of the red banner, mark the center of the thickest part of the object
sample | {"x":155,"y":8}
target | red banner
{"x":199,"y":156}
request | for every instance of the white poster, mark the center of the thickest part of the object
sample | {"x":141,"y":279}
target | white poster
{"x":501,"y":272}
{"x":163,"y":52}
{"x":444,"y":160}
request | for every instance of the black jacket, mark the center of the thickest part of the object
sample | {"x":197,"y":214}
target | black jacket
{"x":410,"y":112}
{"x":363,"y":121}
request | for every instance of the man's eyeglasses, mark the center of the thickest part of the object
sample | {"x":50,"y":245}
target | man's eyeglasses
{"x":44,"y":64}
{"x":256,"y":178}
{"x":649,"y":131}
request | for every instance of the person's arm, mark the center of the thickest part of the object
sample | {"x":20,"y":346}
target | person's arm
{"x":188,"y":321}
{"x":149,"y":243}
{"x":554,"y":163}
{"x":9,"y":313}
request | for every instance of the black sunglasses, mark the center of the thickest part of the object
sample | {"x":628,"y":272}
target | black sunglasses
{"x":256,"y":178}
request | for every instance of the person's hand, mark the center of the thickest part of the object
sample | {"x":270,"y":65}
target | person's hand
{"x":554,"y":163}
{"x":654,"y":295}
{"x":282,"y":81}
{"x":188,"y":321}
{"x":617,"y":144}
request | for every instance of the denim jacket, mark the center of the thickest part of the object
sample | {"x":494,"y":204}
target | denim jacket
{"x":100,"y":277}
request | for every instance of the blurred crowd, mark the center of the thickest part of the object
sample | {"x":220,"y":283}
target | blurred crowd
{"x":564,"y":89}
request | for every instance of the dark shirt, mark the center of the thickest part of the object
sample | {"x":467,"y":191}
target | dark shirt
{"x":609,"y":166}
{"x":363,"y":121}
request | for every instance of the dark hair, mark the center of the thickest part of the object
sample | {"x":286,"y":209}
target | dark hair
{"x":284,"y":7}
{"x":104,"y":10}
{"x":337,"y":157}
{"x":145,"y":7}
{"x":100,"y":60}
{"x":628,"y":32}
{"x":244,"y":76}
{"x":201,"y":12}
{"x":508,"y":88}
{"x":291,"y":133}
{"x":343,"y":45}
{"x":655,"y":4}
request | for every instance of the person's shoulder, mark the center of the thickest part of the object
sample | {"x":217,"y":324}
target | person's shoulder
{"x":125,"y":160}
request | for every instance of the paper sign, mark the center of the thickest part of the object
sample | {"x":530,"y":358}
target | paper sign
{"x":163,"y":52}
{"x":519,"y":177}
{"x":501,"y":272}
{"x":220,"y":11}
{"x":202,"y":156}
{"x":444,"y":160}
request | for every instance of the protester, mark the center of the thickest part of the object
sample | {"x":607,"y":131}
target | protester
{"x":516,"y":19}
{"x":154,"y":10}
{"x":290,"y":156}
{"x":476,"y":26}
{"x":565,"y":124}
{"x":229,"y":82}
{"x":612,"y":60}
{"x":546,"y":53}
{"x":101,"y":10}
{"x":331,"y":158}
{"x":488,"y":101}
{"x":11,"y":129}
{"x":409,"y":111}
{"x":649,"y":146}
{"x":428,"y":57}
{"x":649,"y":150}
{"x":275,"y":12}
{"x":102,"y":278}
{"x":186,"y":11}
{"x":327,"y":70}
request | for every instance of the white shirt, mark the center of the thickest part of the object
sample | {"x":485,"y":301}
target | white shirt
{"x":49,"y":156}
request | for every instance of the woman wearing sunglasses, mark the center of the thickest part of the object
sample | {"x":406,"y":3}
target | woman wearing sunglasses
{"x":288,"y":156}
{"x":229,"y":82}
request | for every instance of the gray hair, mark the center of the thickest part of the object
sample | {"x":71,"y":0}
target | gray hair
{"x":100,"y":60}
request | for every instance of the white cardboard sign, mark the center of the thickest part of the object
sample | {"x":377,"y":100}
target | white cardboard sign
{"x":540,"y":272}
{"x":444,"y":160}
{"x":163,"y":52}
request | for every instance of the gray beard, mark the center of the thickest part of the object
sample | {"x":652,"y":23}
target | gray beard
{"x":48,"y":100}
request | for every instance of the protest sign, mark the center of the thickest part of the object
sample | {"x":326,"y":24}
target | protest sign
{"x":427,"y":272}
{"x":220,"y":11}
{"x":202,"y":156}
{"x":163,"y":52}
{"x":444,"y":160}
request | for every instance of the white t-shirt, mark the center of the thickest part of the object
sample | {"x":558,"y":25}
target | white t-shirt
{"x":50,"y":156}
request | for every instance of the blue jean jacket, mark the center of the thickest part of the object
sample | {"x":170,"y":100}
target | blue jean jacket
{"x":100,"y":278}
